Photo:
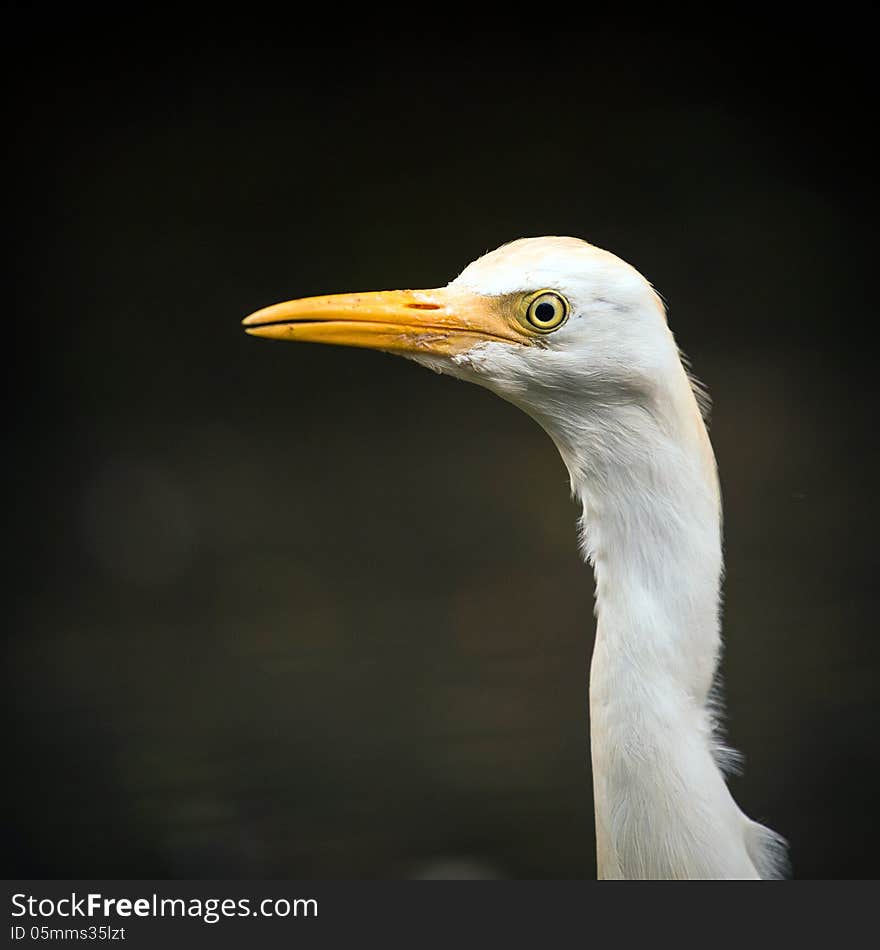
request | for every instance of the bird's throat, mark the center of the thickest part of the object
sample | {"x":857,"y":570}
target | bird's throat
{"x":651,"y":530}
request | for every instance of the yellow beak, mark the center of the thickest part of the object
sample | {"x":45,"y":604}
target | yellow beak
{"x":446,"y":321}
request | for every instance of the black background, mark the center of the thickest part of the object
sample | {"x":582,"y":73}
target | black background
{"x":305,"y":612}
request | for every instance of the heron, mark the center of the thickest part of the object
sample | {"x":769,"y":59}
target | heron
{"x":579,"y":340}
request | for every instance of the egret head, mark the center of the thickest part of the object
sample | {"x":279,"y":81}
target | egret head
{"x":553,"y":324}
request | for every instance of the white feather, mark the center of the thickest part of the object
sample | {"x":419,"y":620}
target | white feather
{"x":610,"y":389}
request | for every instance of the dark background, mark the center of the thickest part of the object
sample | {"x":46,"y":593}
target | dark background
{"x":294,"y":611}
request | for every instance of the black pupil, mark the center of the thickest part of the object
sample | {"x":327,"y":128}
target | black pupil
{"x":545,"y":312}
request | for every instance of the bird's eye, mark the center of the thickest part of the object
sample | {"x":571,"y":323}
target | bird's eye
{"x":546,"y":311}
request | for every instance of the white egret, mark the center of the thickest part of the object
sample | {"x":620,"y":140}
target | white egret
{"x":578,"y":339}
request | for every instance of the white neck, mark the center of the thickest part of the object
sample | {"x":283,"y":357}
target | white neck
{"x":651,"y":530}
